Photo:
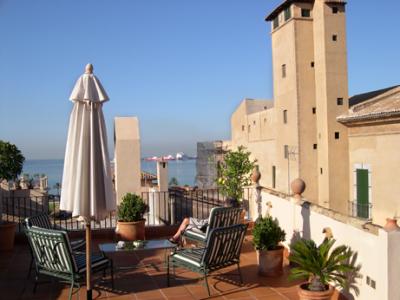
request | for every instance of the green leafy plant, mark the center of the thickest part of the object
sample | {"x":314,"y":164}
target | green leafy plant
{"x":321,"y":264}
{"x":131,"y":209}
{"x":267,"y":234}
{"x":11,"y":161}
{"x":234,"y":173}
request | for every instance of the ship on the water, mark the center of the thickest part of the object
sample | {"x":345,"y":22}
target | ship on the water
{"x":177,"y":156}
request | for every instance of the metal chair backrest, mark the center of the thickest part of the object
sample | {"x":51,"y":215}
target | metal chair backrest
{"x":223,"y":217}
{"x":51,"y":250}
{"x":224,"y":246}
{"x":41,"y":220}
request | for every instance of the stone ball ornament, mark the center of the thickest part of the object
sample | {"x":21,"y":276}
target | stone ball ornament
{"x":298,"y":187}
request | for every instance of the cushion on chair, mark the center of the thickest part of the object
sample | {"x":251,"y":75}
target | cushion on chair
{"x":77,"y":244}
{"x":192,"y":256}
{"x":196,"y":234}
{"x":97,"y":261}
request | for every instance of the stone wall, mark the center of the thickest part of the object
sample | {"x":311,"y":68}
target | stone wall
{"x":376,"y":249}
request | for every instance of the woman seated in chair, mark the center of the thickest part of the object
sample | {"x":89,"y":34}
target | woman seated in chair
{"x":189,"y":223}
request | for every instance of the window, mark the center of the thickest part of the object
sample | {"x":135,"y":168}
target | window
{"x":339,"y":101}
{"x":265,"y":120}
{"x":254,"y":122}
{"x":305,"y":13}
{"x":315,"y":146}
{"x":320,"y":170}
{"x":285,"y":116}
{"x":273,"y":177}
{"x":336,"y":135}
{"x":276,"y":22}
{"x":286,"y":151}
{"x":314,"y":110}
{"x":287,"y":13}
{"x":334,"y":37}
{"x":362,"y":191}
{"x":283,"y":71}
{"x":242,"y":127}
{"x":312,"y":64}
{"x":335,"y":10}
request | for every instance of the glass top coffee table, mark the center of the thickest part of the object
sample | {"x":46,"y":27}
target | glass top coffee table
{"x":147,"y":245}
{"x":111,"y":248}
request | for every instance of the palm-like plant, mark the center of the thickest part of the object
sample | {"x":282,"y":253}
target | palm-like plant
{"x":321,"y":264}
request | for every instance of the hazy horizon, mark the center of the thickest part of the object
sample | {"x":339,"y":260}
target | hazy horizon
{"x":181,"y":67}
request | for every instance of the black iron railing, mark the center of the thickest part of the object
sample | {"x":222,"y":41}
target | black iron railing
{"x":165,"y":208}
{"x":360,"y":210}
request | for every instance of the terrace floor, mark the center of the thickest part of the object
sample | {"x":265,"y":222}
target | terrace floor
{"x":149,"y":282}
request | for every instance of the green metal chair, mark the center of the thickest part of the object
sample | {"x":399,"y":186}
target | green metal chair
{"x":219,"y":217}
{"x":54,"y":257}
{"x":43,"y":221}
{"x":222,"y":250}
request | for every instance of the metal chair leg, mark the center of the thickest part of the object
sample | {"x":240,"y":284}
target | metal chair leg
{"x":206,"y":281}
{"x":35,"y":284}
{"x":30,"y":267}
{"x":112,"y":274}
{"x":70,"y":290}
{"x":240,"y":274}
{"x":167,"y":271}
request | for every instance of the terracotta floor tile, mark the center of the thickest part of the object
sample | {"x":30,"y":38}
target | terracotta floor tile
{"x":175,"y":291}
{"x":150,"y":283}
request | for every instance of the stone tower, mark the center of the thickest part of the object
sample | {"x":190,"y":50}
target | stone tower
{"x":310,"y":91}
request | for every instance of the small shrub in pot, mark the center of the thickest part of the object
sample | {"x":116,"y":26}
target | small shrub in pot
{"x":131,"y":222}
{"x":267,"y":235}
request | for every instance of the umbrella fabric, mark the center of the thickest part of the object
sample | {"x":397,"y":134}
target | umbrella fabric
{"x":87,"y":184}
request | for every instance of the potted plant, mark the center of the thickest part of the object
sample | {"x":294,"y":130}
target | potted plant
{"x":234,"y":173}
{"x":321,"y":266}
{"x":267,"y":235}
{"x":130,"y":224}
{"x":11,"y":163}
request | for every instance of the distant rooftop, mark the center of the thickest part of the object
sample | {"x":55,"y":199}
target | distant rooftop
{"x":373,"y":106}
{"x":256,"y":105}
{"x":285,"y":4}
{"x":356,"y":99}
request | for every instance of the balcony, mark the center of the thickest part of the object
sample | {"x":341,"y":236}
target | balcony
{"x":149,"y":282}
{"x":360,"y":210}
{"x":144,"y":282}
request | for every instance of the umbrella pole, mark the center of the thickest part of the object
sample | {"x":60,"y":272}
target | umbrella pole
{"x":88,"y":261}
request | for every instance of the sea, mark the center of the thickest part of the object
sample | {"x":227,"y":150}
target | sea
{"x":183,"y":170}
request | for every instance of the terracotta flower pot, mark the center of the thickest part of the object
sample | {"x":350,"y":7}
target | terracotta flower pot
{"x":131,"y":231}
{"x":305,"y":294}
{"x":270,"y":262}
{"x":7,"y":235}
{"x":256,"y":175}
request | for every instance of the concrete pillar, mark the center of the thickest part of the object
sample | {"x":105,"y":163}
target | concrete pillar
{"x":162,"y":176}
{"x":127,"y":156}
{"x":43,"y":183}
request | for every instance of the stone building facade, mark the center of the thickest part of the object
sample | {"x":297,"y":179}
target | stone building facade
{"x":304,"y":131}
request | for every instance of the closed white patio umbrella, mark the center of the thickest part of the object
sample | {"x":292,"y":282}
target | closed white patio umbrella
{"x":87,"y":189}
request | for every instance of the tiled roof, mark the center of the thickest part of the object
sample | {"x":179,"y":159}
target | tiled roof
{"x":286,"y":3}
{"x":281,"y":7}
{"x":376,"y":105}
{"x":356,"y":99}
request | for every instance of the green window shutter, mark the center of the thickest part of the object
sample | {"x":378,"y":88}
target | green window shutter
{"x":362,"y":193}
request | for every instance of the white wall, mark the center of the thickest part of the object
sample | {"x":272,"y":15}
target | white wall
{"x":376,"y":249}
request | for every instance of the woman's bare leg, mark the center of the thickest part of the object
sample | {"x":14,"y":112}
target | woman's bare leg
{"x":181,"y":228}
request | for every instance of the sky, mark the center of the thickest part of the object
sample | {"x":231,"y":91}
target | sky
{"x":180,"y":66}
